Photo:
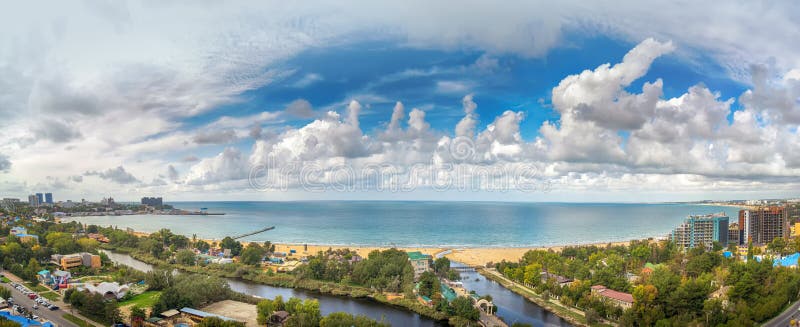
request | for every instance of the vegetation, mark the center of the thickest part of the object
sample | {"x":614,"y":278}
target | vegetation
{"x":93,"y":306}
{"x":7,"y":323}
{"x":5,"y":293}
{"x":146,"y":299}
{"x":676,"y":293}
{"x":306,"y":313}
{"x":217,"y":322}
{"x":187,"y":290}
{"x":78,"y":321}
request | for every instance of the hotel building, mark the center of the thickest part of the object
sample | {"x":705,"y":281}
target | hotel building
{"x":764,"y":224}
{"x":701,"y":230}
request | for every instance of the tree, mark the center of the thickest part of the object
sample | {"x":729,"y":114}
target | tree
{"x":88,"y":244}
{"x":233,"y":245}
{"x":462,"y":307}
{"x":266,"y":307}
{"x":185,"y":257}
{"x":441,"y":265}
{"x":138,"y":312}
{"x":428,"y":284}
{"x":5,"y":293}
{"x":253,"y":254}
{"x":217,"y":322}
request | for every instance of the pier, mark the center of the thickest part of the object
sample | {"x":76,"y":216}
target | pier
{"x":254,"y":233}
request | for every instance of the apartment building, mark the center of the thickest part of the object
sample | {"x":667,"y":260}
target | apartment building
{"x":701,"y":231}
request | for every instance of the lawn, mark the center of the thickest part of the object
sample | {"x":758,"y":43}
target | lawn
{"x":5,"y":280}
{"x":52,"y":296}
{"x":37,"y":288}
{"x":78,"y":321}
{"x":144,"y":300}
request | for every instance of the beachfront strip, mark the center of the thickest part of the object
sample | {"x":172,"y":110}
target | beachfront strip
{"x":616,"y":284}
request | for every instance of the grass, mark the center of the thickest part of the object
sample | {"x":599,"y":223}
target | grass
{"x":52,"y":296}
{"x":78,"y":321}
{"x":37,"y":288}
{"x":144,"y":300}
{"x":5,"y":280}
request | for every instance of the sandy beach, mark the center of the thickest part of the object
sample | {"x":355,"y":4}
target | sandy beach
{"x":473,"y":256}
{"x":468,"y":256}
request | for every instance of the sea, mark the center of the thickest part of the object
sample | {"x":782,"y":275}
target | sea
{"x":421,"y":223}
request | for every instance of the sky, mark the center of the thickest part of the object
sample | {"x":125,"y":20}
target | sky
{"x":611,"y":101}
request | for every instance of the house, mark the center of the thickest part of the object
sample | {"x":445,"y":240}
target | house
{"x":22,"y":234}
{"x":624,"y":300}
{"x":170,"y":315}
{"x":561,"y":280}
{"x":420,"y":262}
{"x":76,"y":260}
{"x":278,"y":319}
{"x":99,"y":237}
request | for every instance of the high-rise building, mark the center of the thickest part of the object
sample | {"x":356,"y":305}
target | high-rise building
{"x":701,"y":231}
{"x":48,"y":198}
{"x":33,"y":200}
{"x":153,"y":201}
{"x":40,"y":197}
{"x":763,"y":224}
{"x":734,"y":234}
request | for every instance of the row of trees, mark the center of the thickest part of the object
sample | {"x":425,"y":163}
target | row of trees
{"x":93,"y":306}
{"x":307,"y":313}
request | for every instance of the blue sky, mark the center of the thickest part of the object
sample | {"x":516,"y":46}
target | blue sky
{"x":598,"y":100}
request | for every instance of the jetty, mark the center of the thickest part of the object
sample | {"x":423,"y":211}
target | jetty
{"x":253,"y":233}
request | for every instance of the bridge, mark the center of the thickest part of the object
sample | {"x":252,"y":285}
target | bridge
{"x":253,"y":233}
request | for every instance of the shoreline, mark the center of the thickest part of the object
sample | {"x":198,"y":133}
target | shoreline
{"x":471,"y":256}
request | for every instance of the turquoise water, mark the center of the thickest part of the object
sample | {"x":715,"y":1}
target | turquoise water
{"x":417,"y":223}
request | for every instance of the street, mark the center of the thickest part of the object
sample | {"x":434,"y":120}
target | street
{"x":53,"y":316}
{"x":787,"y":315}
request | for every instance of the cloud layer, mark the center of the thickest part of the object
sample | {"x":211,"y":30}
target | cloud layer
{"x":139,"y":91}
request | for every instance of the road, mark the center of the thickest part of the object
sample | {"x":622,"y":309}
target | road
{"x":787,"y":315}
{"x":53,"y":316}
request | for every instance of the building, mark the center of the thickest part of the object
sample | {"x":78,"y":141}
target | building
{"x":420,"y":262}
{"x":561,"y":280}
{"x":48,"y":198}
{"x":33,"y":200}
{"x":764,"y":224}
{"x":108,"y":290}
{"x":107,"y":201}
{"x":624,"y":300}
{"x":153,"y":201}
{"x":22,"y":234}
{"x":10,"y":203}
{"x":701,"y":231}
{"x":76,"y":260}
{"x":734,"y":234}
{"x":40,"y":198}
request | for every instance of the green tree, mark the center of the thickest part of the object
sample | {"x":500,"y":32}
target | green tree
{"x":253,"y":254}
{"x":233,"y":245}
{"x":462,"y":307}
{"x":217,"y":322}
{"x":185,"y":257}
{"x":5,"y":293}
{"x":428,"y":284}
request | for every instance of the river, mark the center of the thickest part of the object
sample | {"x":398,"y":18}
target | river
{"x":511,"y":306}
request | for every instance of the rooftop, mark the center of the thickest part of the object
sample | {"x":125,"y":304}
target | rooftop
{"x":203,"y":314}
{"x":612,"y":294}
{"x":416,"y":255}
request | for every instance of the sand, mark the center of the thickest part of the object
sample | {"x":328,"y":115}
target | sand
{"x":475,"y":257}
{"x":468,"y":256}
{"x":239,"y":311}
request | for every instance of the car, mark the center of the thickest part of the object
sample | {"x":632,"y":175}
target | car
{"x":54,"y":307}
{"x":35,"y":306}
{"x":32,"y":296}
{"x":35,"y":317}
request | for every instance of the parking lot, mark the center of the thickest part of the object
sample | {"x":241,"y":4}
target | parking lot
{"x":25,"y":302}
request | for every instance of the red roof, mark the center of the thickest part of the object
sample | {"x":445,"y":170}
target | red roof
{"x":612,"y":294}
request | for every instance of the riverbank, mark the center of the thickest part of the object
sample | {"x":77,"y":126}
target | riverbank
{"x":572,"y":315}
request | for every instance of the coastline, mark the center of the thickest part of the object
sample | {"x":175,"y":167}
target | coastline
{"x":470,"y":256}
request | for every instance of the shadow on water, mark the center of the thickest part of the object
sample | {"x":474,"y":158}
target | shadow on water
{"x":511,"y":307}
